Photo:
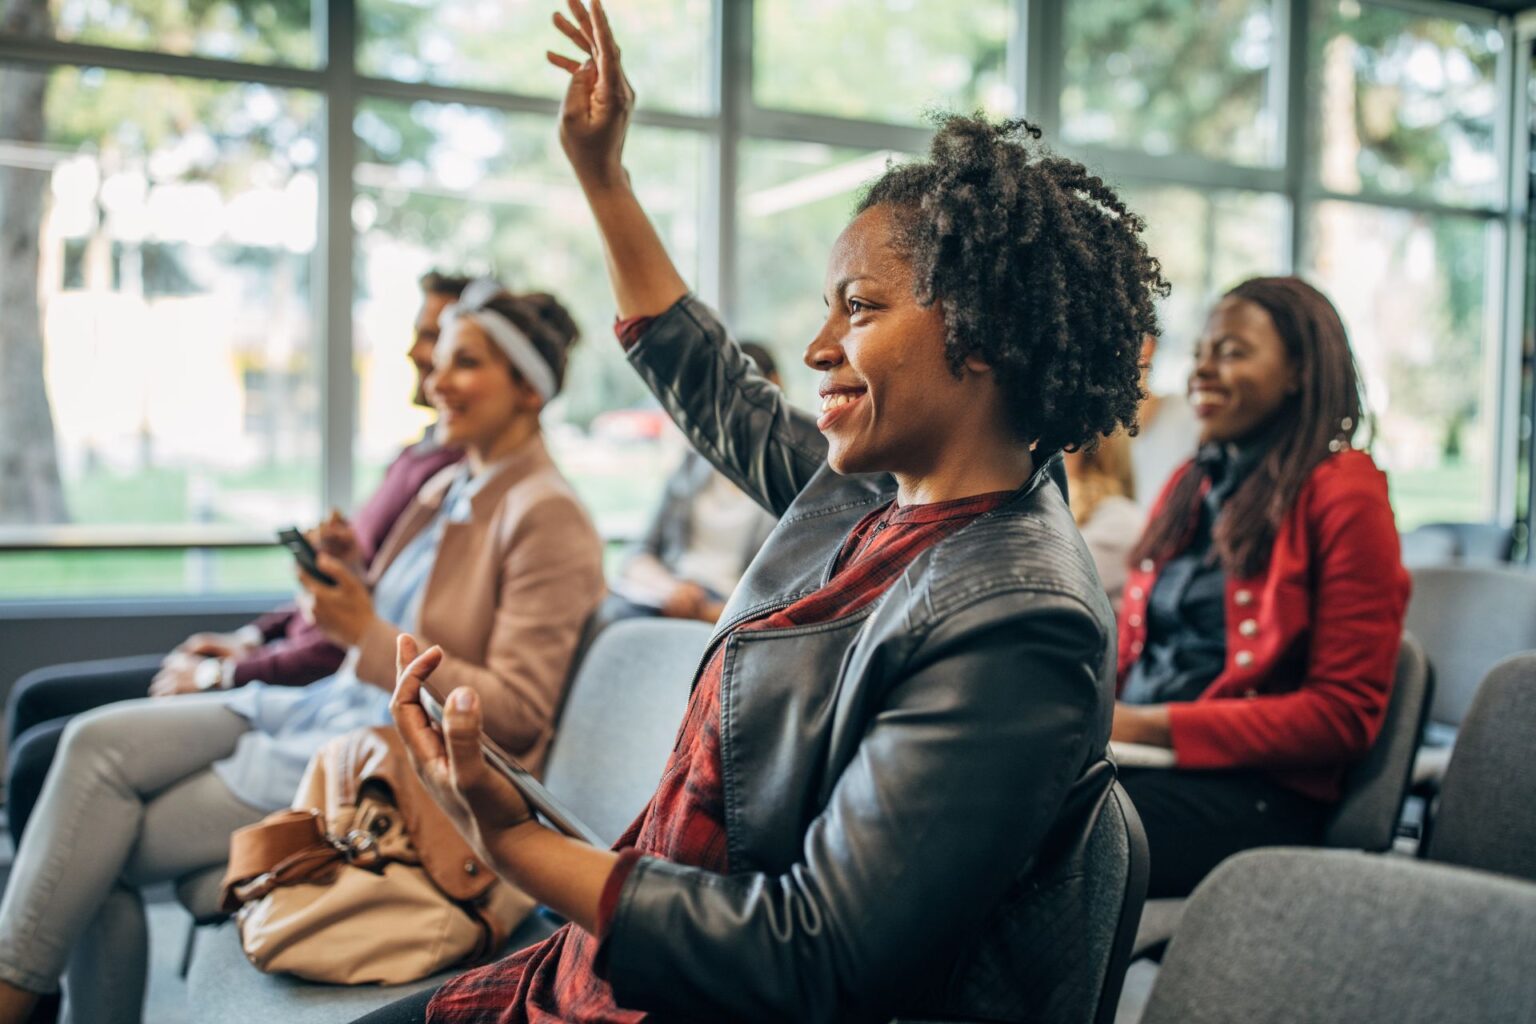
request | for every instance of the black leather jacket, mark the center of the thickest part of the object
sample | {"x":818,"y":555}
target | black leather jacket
{"x":900,"y":783}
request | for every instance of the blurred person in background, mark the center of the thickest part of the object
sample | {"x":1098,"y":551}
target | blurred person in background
{"x":1167,"y":433}
{"x":281,"y":648}
{"x":1102,"y":492}
{"x":1261,"y":620}
{"x":703,"y":536}
{"x":494,"y":560}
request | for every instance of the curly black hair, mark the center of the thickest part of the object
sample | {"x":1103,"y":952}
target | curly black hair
{"x":1040,"y":269}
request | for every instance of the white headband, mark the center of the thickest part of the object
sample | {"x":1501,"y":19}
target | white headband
{"x":524,"y":356}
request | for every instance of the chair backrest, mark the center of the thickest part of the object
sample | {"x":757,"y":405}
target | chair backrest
{"x":1486,"y":543}
{"x":620,"y":718}
{"x":1487,"y":813}
{"x":1469,"y":618}
{"x":1375,"y":788}
{"x":1059,"y":956}
{"x":1119,"y":854}
{"x":1289,"y":936}
{"x":1429,"y":545}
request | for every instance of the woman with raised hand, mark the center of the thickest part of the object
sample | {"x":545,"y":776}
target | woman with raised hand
{"x":1264,"y":611}
{"x":899,"y":728}
{"x":494,"y":560}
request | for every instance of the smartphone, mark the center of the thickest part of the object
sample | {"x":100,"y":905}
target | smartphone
{"x":539,"y":798}
{"x":304,"y":553}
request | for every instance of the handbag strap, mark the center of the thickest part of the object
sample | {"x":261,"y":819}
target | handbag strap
{"x":292,"y":844}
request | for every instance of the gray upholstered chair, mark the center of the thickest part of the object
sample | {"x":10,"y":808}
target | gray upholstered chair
{"x":1428,"y":545}
{"x":1292,"y":936}
{"x":1374,"y":790}
{"x":614,"y":736}
{"x":1477,"y":543}
{"x":1077,"y":927}
{"x":1468,"y":618}
{"x":1487,"y":813}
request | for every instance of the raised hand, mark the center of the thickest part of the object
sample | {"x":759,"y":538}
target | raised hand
{"x":594,"y":117}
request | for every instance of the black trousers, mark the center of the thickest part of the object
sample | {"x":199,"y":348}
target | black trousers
{"x":41,"y":704}
{"x":410,"y":1010}
{"x":1194,"y":820}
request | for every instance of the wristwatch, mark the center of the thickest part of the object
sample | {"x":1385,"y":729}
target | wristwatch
{"x":213,"y":674}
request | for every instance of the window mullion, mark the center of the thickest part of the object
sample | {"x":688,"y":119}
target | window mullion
{"x":333,"y":286}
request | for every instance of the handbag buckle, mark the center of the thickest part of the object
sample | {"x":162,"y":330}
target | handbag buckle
{"x":359,"y":847}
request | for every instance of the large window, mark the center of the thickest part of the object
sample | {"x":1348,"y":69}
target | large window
{"x":882,"y":60}
{"x":1170,"y":78}
{"x":794,"y":200}
{"x":487,"y":45}
{"x":174,"y":222}
{"x":1405,"y":104}
{"x":206,"y":315}
{"x":1411,"y":289}
{"x":444,"y":185}
{"x":1207,"y":241}
{"x":1405,"y":110}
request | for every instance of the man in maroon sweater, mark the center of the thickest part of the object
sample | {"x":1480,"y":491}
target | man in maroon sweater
{"x":279,"y":648}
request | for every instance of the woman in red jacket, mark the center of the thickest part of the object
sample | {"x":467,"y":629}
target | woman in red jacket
{"x":1263,"y":612}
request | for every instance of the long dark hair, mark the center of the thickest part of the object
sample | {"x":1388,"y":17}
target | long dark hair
{"x":1320,"y":419}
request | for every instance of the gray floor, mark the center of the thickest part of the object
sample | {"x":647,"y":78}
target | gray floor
{"x":166,"y":1001}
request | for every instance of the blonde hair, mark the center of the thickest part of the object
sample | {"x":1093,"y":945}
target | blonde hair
{"x":1103,"y":471}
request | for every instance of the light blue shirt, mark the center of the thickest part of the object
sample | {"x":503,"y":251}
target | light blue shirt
{"x":290,"y":723}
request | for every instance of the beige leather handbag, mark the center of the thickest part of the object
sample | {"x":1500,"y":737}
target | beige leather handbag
{"x":366,"y":879}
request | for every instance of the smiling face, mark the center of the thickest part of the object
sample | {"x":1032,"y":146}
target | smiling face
{"x":479,"y":399}
{"x":1243,"y":373}
{"x":890,"y":402}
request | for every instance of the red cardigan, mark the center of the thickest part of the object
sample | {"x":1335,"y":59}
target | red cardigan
{"x":1311,"y":641}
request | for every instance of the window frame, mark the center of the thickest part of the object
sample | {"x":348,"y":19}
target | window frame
{"x":732,"y":117}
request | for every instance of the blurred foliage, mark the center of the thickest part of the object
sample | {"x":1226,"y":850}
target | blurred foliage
{"x":1401,"y":103}
{"x":483,"y":191}
{"x":1408,"y":107}
{"x":268,"y":31}
{"x":1170,"y":76}
{"x":884,"y":60}
{"x":500,"y":45}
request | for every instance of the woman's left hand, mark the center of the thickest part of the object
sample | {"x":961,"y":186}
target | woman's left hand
{"x":343,"y":611}
{"x":1141,"y":723}
{"x":481,"y":802}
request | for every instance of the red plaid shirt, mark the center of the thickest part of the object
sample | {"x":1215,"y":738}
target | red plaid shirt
{"x":685,"y":820}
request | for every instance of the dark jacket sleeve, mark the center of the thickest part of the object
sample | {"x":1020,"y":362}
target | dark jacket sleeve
{"x":730,"y":412}
{"x":966,"y":765}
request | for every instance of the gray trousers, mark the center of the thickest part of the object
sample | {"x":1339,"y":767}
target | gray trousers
{"x":130,"y":800}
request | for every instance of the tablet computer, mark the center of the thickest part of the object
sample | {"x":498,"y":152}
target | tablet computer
{"x":539,"y":798}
